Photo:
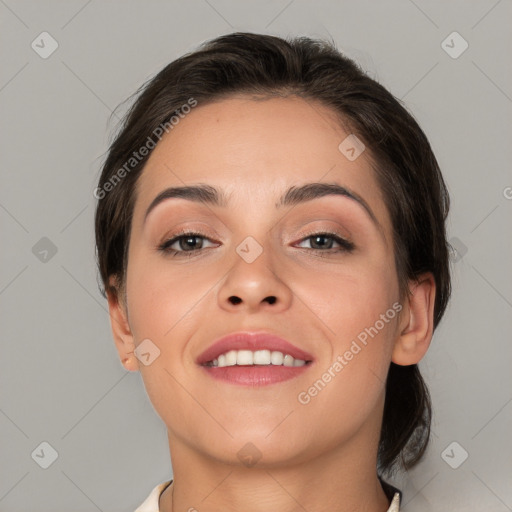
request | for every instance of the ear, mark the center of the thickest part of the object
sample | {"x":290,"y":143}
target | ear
{"x":121,"y":331}
{"x":417,"y":322}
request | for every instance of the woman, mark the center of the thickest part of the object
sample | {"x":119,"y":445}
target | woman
{"x":271,"y":240}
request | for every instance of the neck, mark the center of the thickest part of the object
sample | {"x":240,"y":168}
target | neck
{"x":337,"y":480}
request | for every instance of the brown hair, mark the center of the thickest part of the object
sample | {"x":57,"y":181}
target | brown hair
{"x":405,"y":166}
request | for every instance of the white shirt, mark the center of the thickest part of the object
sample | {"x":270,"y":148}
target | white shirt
{"x":151,"y":502}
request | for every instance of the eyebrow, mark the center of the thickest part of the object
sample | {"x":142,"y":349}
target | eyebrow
{"x":207,"y":194}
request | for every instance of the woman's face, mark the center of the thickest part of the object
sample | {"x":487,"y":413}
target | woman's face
{"x":328,"y":296}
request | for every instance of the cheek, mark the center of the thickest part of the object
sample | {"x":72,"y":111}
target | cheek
{"x":163,"y":307}
{"x":350,"y":297}
{"x":358,"y":308}
{"x":158,"y":298}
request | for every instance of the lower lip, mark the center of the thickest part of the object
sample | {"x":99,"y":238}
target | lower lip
{"x":255,"y":375}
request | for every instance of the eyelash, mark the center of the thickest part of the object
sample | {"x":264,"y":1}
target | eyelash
{"x":345,"y":245}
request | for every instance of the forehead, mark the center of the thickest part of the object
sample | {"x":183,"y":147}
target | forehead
{"x":253,"y":149}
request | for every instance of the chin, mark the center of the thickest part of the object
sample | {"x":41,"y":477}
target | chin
{"x":262,"y":450}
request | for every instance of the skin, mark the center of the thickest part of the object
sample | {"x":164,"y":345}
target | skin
{"x":319,"y":456}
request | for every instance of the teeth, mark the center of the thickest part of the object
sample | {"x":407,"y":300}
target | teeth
{"x":288,"y":360}
{"x":243,"y":357}
{"x":258,"y":358}
{"x":262,"y":357}
{"x":231,"y":358}
{"x":276,"y":357}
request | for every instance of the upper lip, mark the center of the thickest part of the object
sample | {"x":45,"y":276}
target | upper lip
{"x":246,"y":340}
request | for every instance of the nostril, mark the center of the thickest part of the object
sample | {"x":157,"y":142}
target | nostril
{"x":236,"y":300}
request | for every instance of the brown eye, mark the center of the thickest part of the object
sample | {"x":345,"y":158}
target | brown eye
{"x":184,"y":243}
{"x":325,"y":241}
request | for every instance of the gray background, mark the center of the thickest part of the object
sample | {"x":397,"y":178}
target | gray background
{"x":60,"y":378}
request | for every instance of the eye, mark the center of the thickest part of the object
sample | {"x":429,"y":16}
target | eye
{"x":187,"y":242}
{"x":324,"y":242}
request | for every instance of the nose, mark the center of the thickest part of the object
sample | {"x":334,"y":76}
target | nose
{"x":255,"y":286}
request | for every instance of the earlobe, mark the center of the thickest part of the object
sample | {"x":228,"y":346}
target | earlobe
{"x":417,"y":324}
{"x":121,"y":331}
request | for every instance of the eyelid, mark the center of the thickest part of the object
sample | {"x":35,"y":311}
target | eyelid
{"x":325,"y":231}
{"x":188,"y":229}
{"x":323,"y":226}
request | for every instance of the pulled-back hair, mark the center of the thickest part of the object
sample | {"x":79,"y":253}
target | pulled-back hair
{"x":405,"y":166}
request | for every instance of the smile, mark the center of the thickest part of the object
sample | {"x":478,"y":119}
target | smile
{"x":256,"y":358}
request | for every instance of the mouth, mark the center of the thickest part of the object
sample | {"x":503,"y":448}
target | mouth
{"x":254,"y":359}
